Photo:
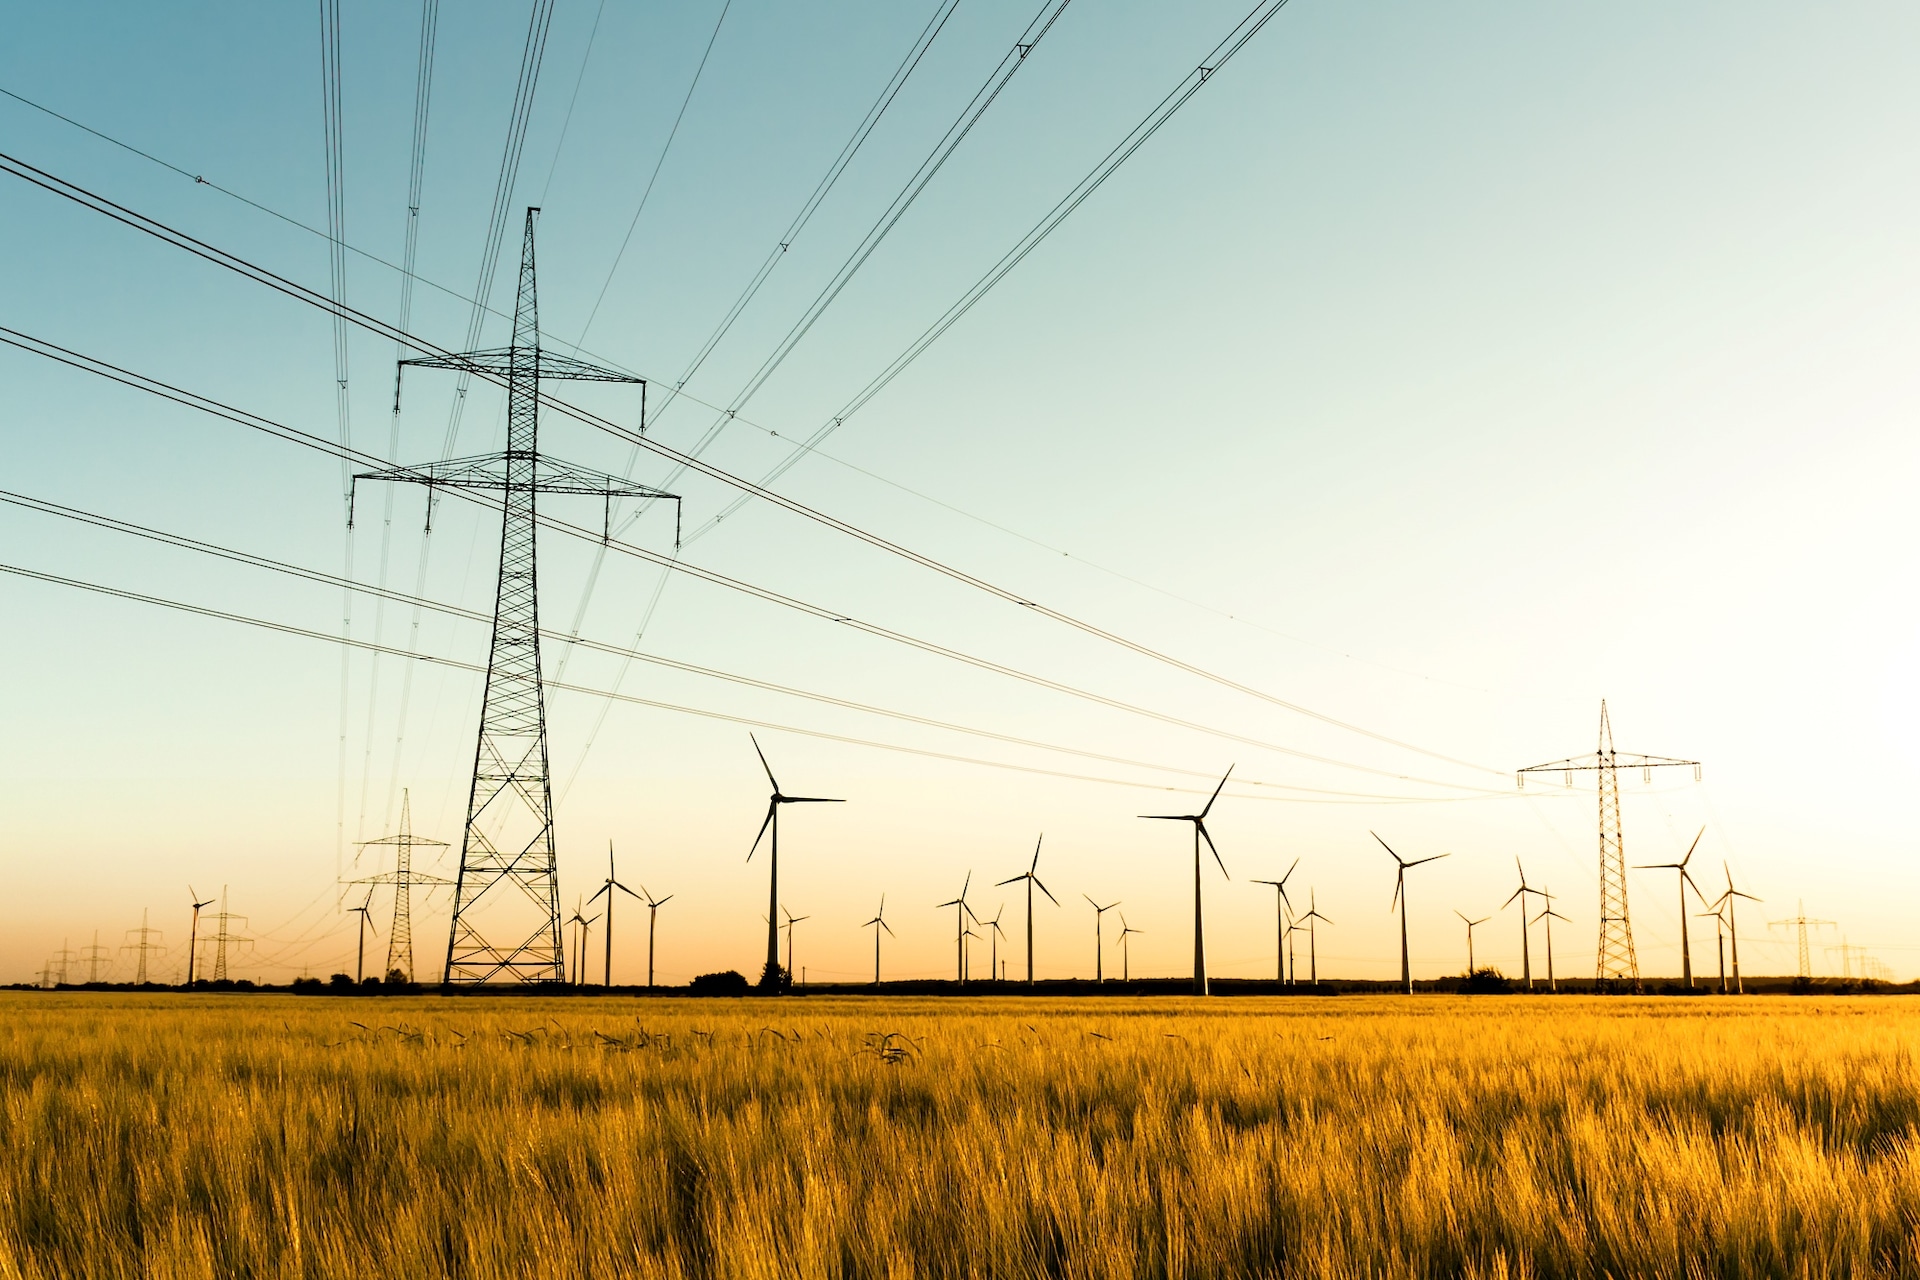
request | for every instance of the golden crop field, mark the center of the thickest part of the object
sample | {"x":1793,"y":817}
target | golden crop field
{"x":171,"y":1136}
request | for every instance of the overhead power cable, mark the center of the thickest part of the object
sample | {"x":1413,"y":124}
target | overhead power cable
{"x":245,"y":418}
{"x":265,"y":624}
{"x":149,"y":226}
{"x":113,"y":524}
{"x":658,"y":164}
{"x":1151,"y":124}
{"x":330,"y":104}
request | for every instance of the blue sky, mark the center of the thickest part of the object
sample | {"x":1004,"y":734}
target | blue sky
{"x":1442,"y":371}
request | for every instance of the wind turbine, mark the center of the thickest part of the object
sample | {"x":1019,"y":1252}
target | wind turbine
{"x":993,"y":960}
{"x":607,"y":889}
{"x":1282,"y":905}
{"x":1549,"y":915}
{"x":1032,"y":880}
{"x":1526,"y":949}
{"x":360,"y":959}
{"x":653,"y":909}
{"x":1313,"y":958}
{"x":1099,"y":936}
{"x":960,"y":913}
{"x":792,"y":920}
{"x":1199,"y":821}
{"x":1126,"y":968}
{"x":584,"y":924}
{"x":1400,"y":901}
{"x":1719,"y":941}
{"x":1686,"y":954}
{"x":1470,"y":927}
{"x":966,"y":955}
{"x":770,"y":976}
{"x":878,"y":923}
{"x":193,"y":932}
{"x":1733,"y":935}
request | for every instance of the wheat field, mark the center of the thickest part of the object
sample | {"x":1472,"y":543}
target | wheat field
{"x":257,"y":1136}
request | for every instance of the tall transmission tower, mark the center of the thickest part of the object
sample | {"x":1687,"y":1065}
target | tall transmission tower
{"x":508,"y":842}
{"x":1801,"y":920}
{"x":1615,"y":961}
{"x":225,"y":935}
{"x":65,"y":955}
{"x":141,"y":947}
{"x":403,"y":877}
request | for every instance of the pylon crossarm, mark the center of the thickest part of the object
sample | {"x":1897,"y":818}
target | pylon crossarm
{"x":493,"y":471}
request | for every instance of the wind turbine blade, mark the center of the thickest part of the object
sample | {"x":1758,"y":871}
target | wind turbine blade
{"x":663,"y":902}
{"x":1693,"y":846}
{"x":763,"y":763}
{"x":773,"y":807}
{"x":630,"y":893}
{"x":605,"y":888}
{"x":966,"y":885}
{"x":1423,"y":861}
{"x":1216,"y":792}
{"x":1166,"y":817}
{"x":888,"y":928}
{"x":1035,"y":865}
{"x":810,"y":800}
{"x":1387,"y":847}
{"x":1289,"y":875}
{"x":1201,"y":827}
{"x":1523,"y":872}
{"x":1516,"y":894}
{"x":1042,"y":888}
{"x":1399,"y":880}
{"x":1012,"y":880}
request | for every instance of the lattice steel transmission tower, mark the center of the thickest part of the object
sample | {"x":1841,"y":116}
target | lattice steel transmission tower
{"x":403,"y":877}
{"x":1615,"y":962}
{"x":142,"y":947}
{"x":507,"y":851}
{"x":1800,"y":918}
{"x":225,"y":937}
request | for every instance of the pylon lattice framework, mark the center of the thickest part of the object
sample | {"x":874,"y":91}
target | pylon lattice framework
{"x":508,"y":843}
{"x":403,"y":877}
{"x":1615,"y":961}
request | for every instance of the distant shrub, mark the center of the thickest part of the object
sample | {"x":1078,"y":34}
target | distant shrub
{"x":730,"y":983}
{"x":308,"y":986}
{"x":1486,"y":982}
{"x":340,"y":982}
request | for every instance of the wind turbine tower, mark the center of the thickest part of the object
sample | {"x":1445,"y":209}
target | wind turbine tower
{"x":1616,"y":962}
{"x":1199,"y":821}
{"x":1099,"y":937}
{"x":1400,"y":901}
{"x":1032,"y":877}
{"x":770,"y":976}
{"x":506,"y":901}
{"x":1526,"y":949}
{"x":1686,"y":880}
{"x":1282,"y":905}
{"x":878,"y":923}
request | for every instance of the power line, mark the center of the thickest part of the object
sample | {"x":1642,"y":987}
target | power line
{"x":678,"y":565}
{"x":44,"y":506}
{"x":79,"y":195}
{"x":655,"y":175}
{"x":330,"y":110}
{"x":749,"y":721}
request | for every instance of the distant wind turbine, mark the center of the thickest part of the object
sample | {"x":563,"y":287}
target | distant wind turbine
{"x":960,"y":913}
{"x":1400,"y":901}
{"x":1526,"y":950}
{"x":1313,"y":959}
{"x":1733,"y":934}
{"x":1031,"y":876}
{"x":193,"y":932}
{"x":583,"y":925}
{"x":1199,"y":821}
{"x":1099,"y":936}
{"x":606,"y":890}
{"x":1549,"y":915}
{"x":1282,"y":907}
{"x":360,"y":959}
{"x":1470,"y":928}
{"x":770,"y":976}
{"x":878,"y":923}
{"x":792,"y":920}
{"x":997,"y":933}
{"x":1686,"y":953}
{"x":1126,"y":968}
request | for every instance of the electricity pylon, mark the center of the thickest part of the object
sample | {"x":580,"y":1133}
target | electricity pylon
{"x":1801,"y":920}
{"x":1615,"y":961}
{"x":94,"y":954}
{"x":222,"y":920}
{"x":403,"y":877}
{"x":508,"y":841}
{"x":141,"y":948}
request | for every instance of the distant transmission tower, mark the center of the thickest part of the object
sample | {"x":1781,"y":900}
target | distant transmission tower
{"x":1801,"y":920}
{"x":65,"y":956}
{"x":1615,"y":962}
{"x":509,"y":839}
{"x":141,"y":947}
{"x":95,"y":954}
{"x":403,"y":877}
{"x":223,"y":920}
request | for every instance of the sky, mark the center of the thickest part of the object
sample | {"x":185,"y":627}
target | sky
{"x":1434,"y":373}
